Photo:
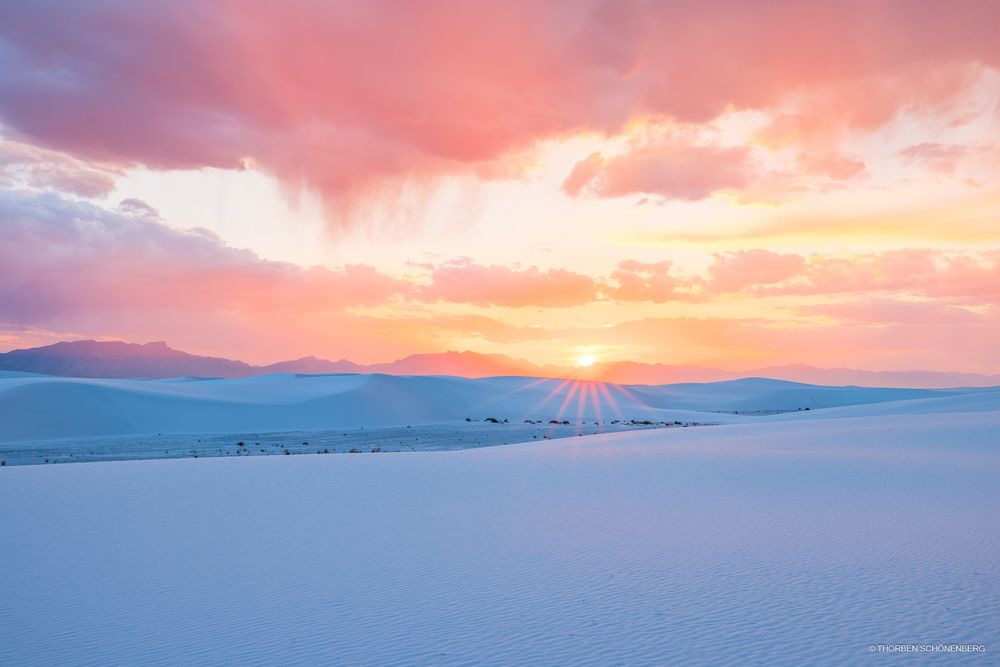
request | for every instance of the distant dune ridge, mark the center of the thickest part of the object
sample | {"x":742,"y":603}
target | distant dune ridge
{"x":39,"y":407}
{"x":116,"y":359}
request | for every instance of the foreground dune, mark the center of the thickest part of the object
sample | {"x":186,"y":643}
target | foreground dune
{"x":772,"y":542}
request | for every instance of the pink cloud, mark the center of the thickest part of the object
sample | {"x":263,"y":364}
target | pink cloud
{"x":974,"y":277}
{"x":673,"y":168}
{"x":23,"y":164}
{"x":583,"y":173}
{"x":351,"y":98}
{"x":641,"y":281}
{"x":61,"y":257}
{"x":736,"y":271}
{"x":836,"y":166}
{"x":893,"y":270}
{"x":940,"y":158}
{"x":676,"y":167}
{"x":817,"y":116}
{"x":467,"y":282}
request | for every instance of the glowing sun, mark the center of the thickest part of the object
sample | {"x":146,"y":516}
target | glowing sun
{"x":585,"y":360}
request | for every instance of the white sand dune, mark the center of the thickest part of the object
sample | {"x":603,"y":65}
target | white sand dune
{"x":972,"y":400}
{"x":38,"y":407}
{"x":754,"y":394}
{"x":779,"y":541}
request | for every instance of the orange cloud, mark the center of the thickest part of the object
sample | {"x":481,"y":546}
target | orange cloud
{"x":836,"y":166}
{"x":467,"y":282}
{"x":642,"y":281}
{"x":900,"y":341}
{"x":972,"y":277}
{"x":736,"y":271}
{"x":74,"y":267}
{"x":894,"y":311}
{"x":916,"y":271}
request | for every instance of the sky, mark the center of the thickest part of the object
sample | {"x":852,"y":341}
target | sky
{"x":712,"y":183}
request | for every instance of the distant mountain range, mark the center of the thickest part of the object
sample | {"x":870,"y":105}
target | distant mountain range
{"x":114,"y":359}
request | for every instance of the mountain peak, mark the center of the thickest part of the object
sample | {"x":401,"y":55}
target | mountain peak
{"x":156,"y":359}
{"x":90,"y":358}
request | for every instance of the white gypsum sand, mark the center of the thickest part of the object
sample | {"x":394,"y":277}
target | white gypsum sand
{"x":778,"y":541}
{"x":39,"y":407}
